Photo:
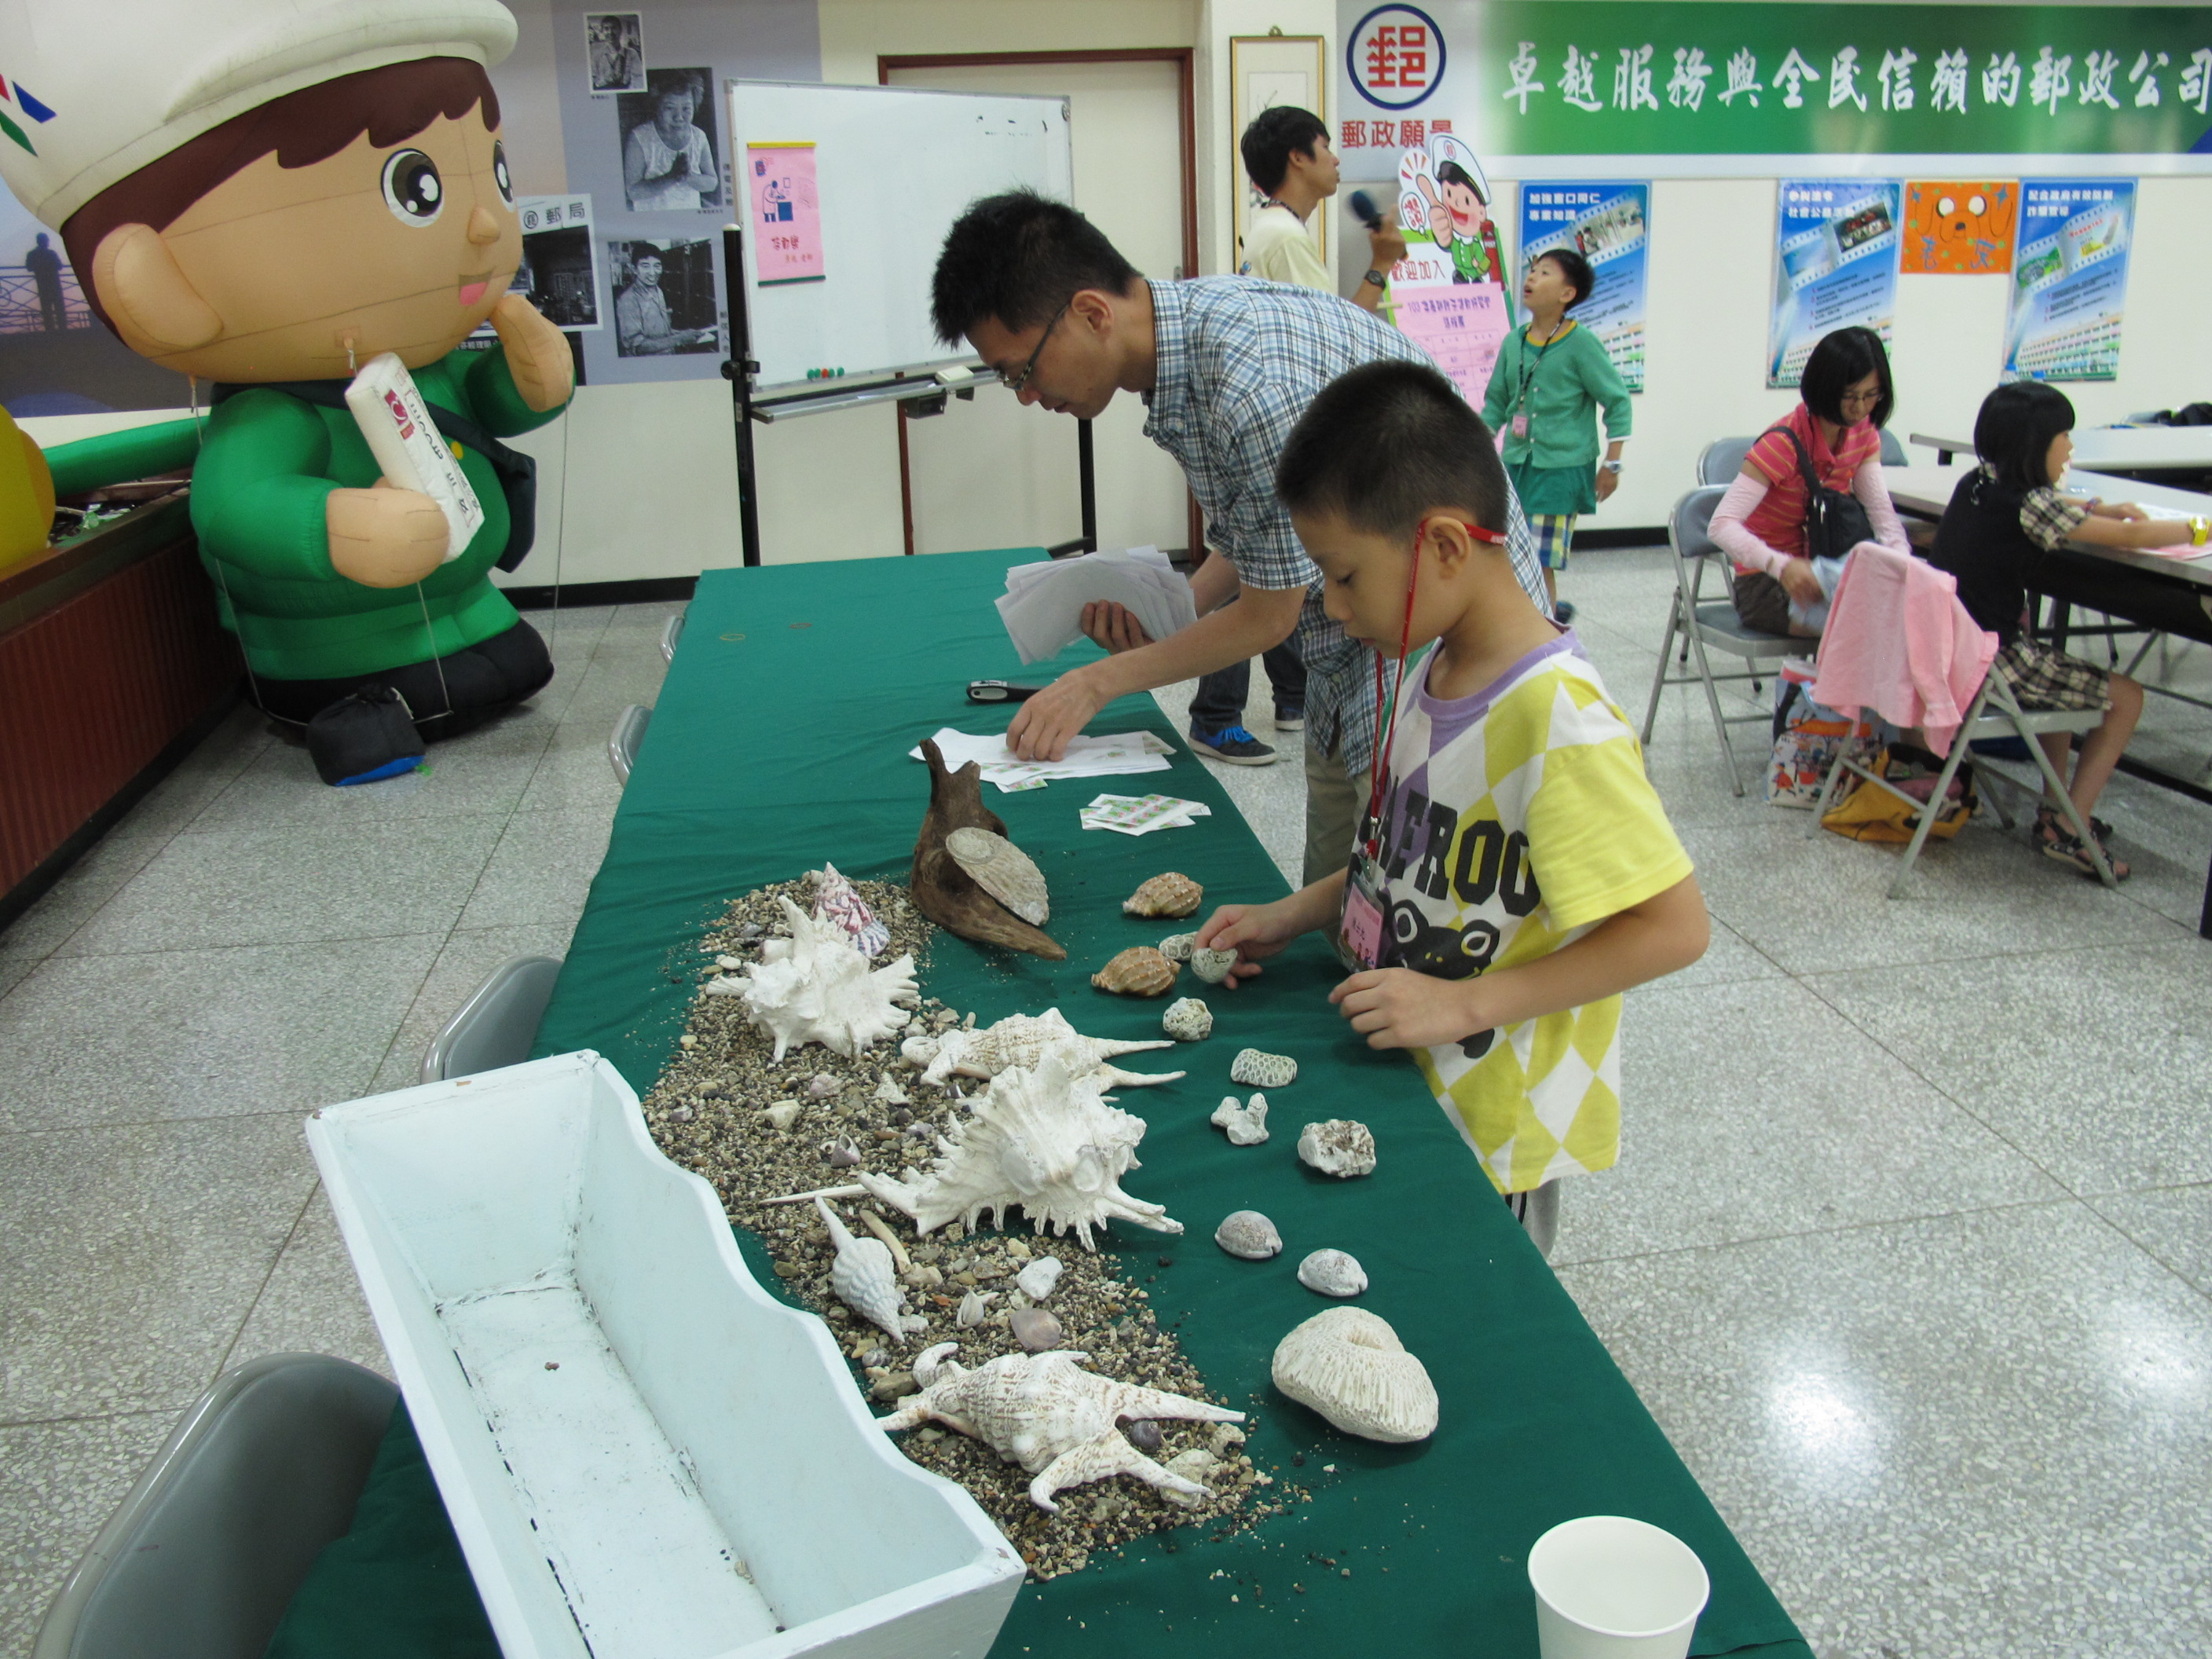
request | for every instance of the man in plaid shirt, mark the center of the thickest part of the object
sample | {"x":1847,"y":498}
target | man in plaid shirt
{"x":1226,"y":365}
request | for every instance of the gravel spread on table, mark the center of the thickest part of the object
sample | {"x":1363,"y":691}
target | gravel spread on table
{"x":707,"y":1113}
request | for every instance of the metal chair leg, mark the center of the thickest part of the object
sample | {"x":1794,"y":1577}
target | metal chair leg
{"x":1938,"y":798}
{"x":1720,"y":722}
{"x":1659,"y":679}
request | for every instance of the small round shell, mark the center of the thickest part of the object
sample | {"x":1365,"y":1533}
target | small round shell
{"x":1257,"y":1070}
{"x":1188,"y":1020}
{"x":1339,"y":1148}
{"x":1035,"y":1328}
{"x":1349,"y":1365}
{"x":1213,"y":966}
{"x":1139,"y":971}
{"x":1332,"y":1272}
{"x":1249,"y":1234}
{"x":1002,"y":870}
{"x":1167,"y":895}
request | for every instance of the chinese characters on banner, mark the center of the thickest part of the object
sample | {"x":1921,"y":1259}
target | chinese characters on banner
{"x":1448,"y":294}
{"x":786,"y":214}
{"x":2069,"y":280}
{"x":1958,"y":226}
{"x":1522,"y":78}
{"x":1835,"y":265}
{"x":1605,"y":222}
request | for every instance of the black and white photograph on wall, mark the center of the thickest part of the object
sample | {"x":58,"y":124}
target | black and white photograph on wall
{"x":664,"y":300}
{"x":555,"y":273}
{"x":670,"y":138}
{"x":615,"y":43}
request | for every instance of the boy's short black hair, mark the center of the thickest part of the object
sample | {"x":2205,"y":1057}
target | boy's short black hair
{"x":1273,"y":137}
{"x":1020,"y":257}
{"x":1573,"y":266}
{"x":1838,"y":362}
{"x":1385,"y":445}
{"x":2014,"y":430}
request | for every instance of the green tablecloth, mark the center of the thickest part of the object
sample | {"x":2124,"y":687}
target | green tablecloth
{"x":781,"y":740}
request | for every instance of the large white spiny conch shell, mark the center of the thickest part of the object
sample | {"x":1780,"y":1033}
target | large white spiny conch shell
{"x":815,"y":988}
{"x":1044,"y":1138}
{"x":1002,"y":870}
{"x":838,"y":902}
{"x":1046,"y":1413}
{"x":1019,"y":1040}
{"x":1349,"y":1366}
{"x":864,"y":1275}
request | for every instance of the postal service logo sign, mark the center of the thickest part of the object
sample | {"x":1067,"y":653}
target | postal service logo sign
{"x":1395,"y":57}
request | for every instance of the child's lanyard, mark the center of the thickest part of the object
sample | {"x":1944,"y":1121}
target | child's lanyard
{"x":1378,"y":765}
{"x":1360,"y":919}
{"x":1530,"y":365}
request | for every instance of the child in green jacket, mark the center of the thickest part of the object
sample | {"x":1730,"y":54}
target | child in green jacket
{"x":1550,"y":378}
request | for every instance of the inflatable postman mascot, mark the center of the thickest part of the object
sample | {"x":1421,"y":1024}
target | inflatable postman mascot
{"x":305,"y":206}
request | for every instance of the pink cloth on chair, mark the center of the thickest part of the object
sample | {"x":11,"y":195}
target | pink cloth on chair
{"x":1899,"y":642}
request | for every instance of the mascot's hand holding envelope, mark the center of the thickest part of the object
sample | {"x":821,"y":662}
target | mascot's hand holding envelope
{"x":267,"y":197}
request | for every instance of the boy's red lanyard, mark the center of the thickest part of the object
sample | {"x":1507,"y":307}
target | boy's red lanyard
{"x":1378,"y":765}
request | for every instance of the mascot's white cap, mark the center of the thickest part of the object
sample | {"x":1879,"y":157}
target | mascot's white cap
{"x":1451,"y":146}
{"x":93,"y":90}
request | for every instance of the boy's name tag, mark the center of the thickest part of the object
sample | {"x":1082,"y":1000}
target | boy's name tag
{"x":1359,"y":932}
{"x":1520,"y":426}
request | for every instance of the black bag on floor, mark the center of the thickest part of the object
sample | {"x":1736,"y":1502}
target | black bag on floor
{"x":364,"y":736}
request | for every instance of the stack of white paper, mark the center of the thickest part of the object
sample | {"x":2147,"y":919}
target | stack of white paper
{"x":1043,"y":606}
{"x":1139,"y":814}
{"x":1086,"y":757}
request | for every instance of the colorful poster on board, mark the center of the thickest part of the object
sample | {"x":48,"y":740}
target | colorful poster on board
{"x":1722,"y":89}
{"x":2069,"y":280}
{"x":787,"y":213}
{"x":1835,"y":265}
{"x":1959,"y":226}
{"x":1449,"y":292}
{"x":1605,"y":222}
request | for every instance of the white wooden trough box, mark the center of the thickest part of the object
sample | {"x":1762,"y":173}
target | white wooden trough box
{"x":645,"y":1456}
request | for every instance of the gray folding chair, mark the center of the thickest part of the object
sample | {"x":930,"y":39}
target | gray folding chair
{"x":671,"y":631}
{"x":1994,"y":712}
{"x":498,"y":1022}
{"x":1719,"y":461}
{"x":628,"y":738}
{"x":202,"y":1559}
{"x":1703,"y":624}
{"x":1892,"y":450}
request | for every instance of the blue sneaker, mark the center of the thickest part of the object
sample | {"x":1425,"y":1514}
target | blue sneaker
{"x":1234,"y":745}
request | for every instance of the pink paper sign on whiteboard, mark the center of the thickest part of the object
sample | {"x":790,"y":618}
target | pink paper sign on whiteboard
{"x":786,"y":220}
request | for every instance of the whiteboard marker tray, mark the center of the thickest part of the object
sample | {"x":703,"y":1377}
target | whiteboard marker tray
{"x":645,"y":1456}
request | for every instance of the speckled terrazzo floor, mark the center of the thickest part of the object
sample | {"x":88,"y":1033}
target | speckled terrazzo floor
{"x":1910,"y":1249}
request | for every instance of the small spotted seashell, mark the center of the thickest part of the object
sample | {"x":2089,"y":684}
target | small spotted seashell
{"x":1139,"y":971}
{"x":1213,"y":966}
{"x":1258,"y":1070}
{"x":1188,"y":1020}
{"x":1002,"y":870}
{"x":1339,"y":1148}
{"x":1176,"y":947}
{"x":1144,"y":1434}
{"x":1333,"y":1273}
{"x":1249,"y":1234}
{"x":1247,"y":1124}
{"x":1168,"y":895}
{"x":1035,"y":1328}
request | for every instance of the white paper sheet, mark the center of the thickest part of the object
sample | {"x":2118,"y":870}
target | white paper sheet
{"x":1106,"y":756}
{"x":1042,"y":605}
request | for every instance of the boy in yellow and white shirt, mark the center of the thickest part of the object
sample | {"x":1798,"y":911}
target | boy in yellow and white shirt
{"x":1514,"y":872}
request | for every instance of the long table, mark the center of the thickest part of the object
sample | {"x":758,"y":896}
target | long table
{"x":781,"y":740}
{"x":2177,"y":452}
{"x":2152,"y":592}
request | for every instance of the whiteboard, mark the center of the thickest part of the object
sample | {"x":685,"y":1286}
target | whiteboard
{"x":894,"y":168}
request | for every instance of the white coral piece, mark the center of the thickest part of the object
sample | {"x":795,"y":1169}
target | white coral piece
{"x":814,"y":987}
{"x":1044,"y":1138}
{"x":1247,"y":1124}
{"x":1046,"y":1413}
{"x":1257,"y":1069}
{"x":1020,"y":1040}
{"x":1188,"y":1020}
{"x":1349,"y":1366}
{"x":1340,"y":1147}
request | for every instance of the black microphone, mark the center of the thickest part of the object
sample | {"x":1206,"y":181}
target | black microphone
{"x":1364,"y":209}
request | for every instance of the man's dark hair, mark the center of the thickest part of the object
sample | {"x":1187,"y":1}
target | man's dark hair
{"x":1839,"y":362}
{"x":1273,"y":137}
{"x":2014,"y":431}
{"x":1573,"y":266}
{"x":1387,"y":444}
{"x":1020,"y":257}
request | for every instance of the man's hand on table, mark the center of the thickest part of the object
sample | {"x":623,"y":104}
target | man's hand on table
{"x":1042,"y":727}
{"x":1114,"y":626}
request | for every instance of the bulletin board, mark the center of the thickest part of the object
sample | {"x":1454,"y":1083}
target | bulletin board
{"x":890,"y":168}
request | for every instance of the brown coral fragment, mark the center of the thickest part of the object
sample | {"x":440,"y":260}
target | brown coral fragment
{"x":945,"y":892}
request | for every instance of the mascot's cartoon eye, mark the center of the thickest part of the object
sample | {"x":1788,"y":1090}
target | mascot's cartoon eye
{"x":412,"y":189}
{"x":499,"y":174}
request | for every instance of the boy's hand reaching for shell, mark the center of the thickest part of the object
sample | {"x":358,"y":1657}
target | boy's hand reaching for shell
{"x":1398,"y":1008}
{"x":1253,"y":931}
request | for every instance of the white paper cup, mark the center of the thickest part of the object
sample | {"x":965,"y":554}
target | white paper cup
{"x":1610,"y":1588}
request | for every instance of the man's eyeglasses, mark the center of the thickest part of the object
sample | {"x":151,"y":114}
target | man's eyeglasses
{"x":1016,"y":382}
